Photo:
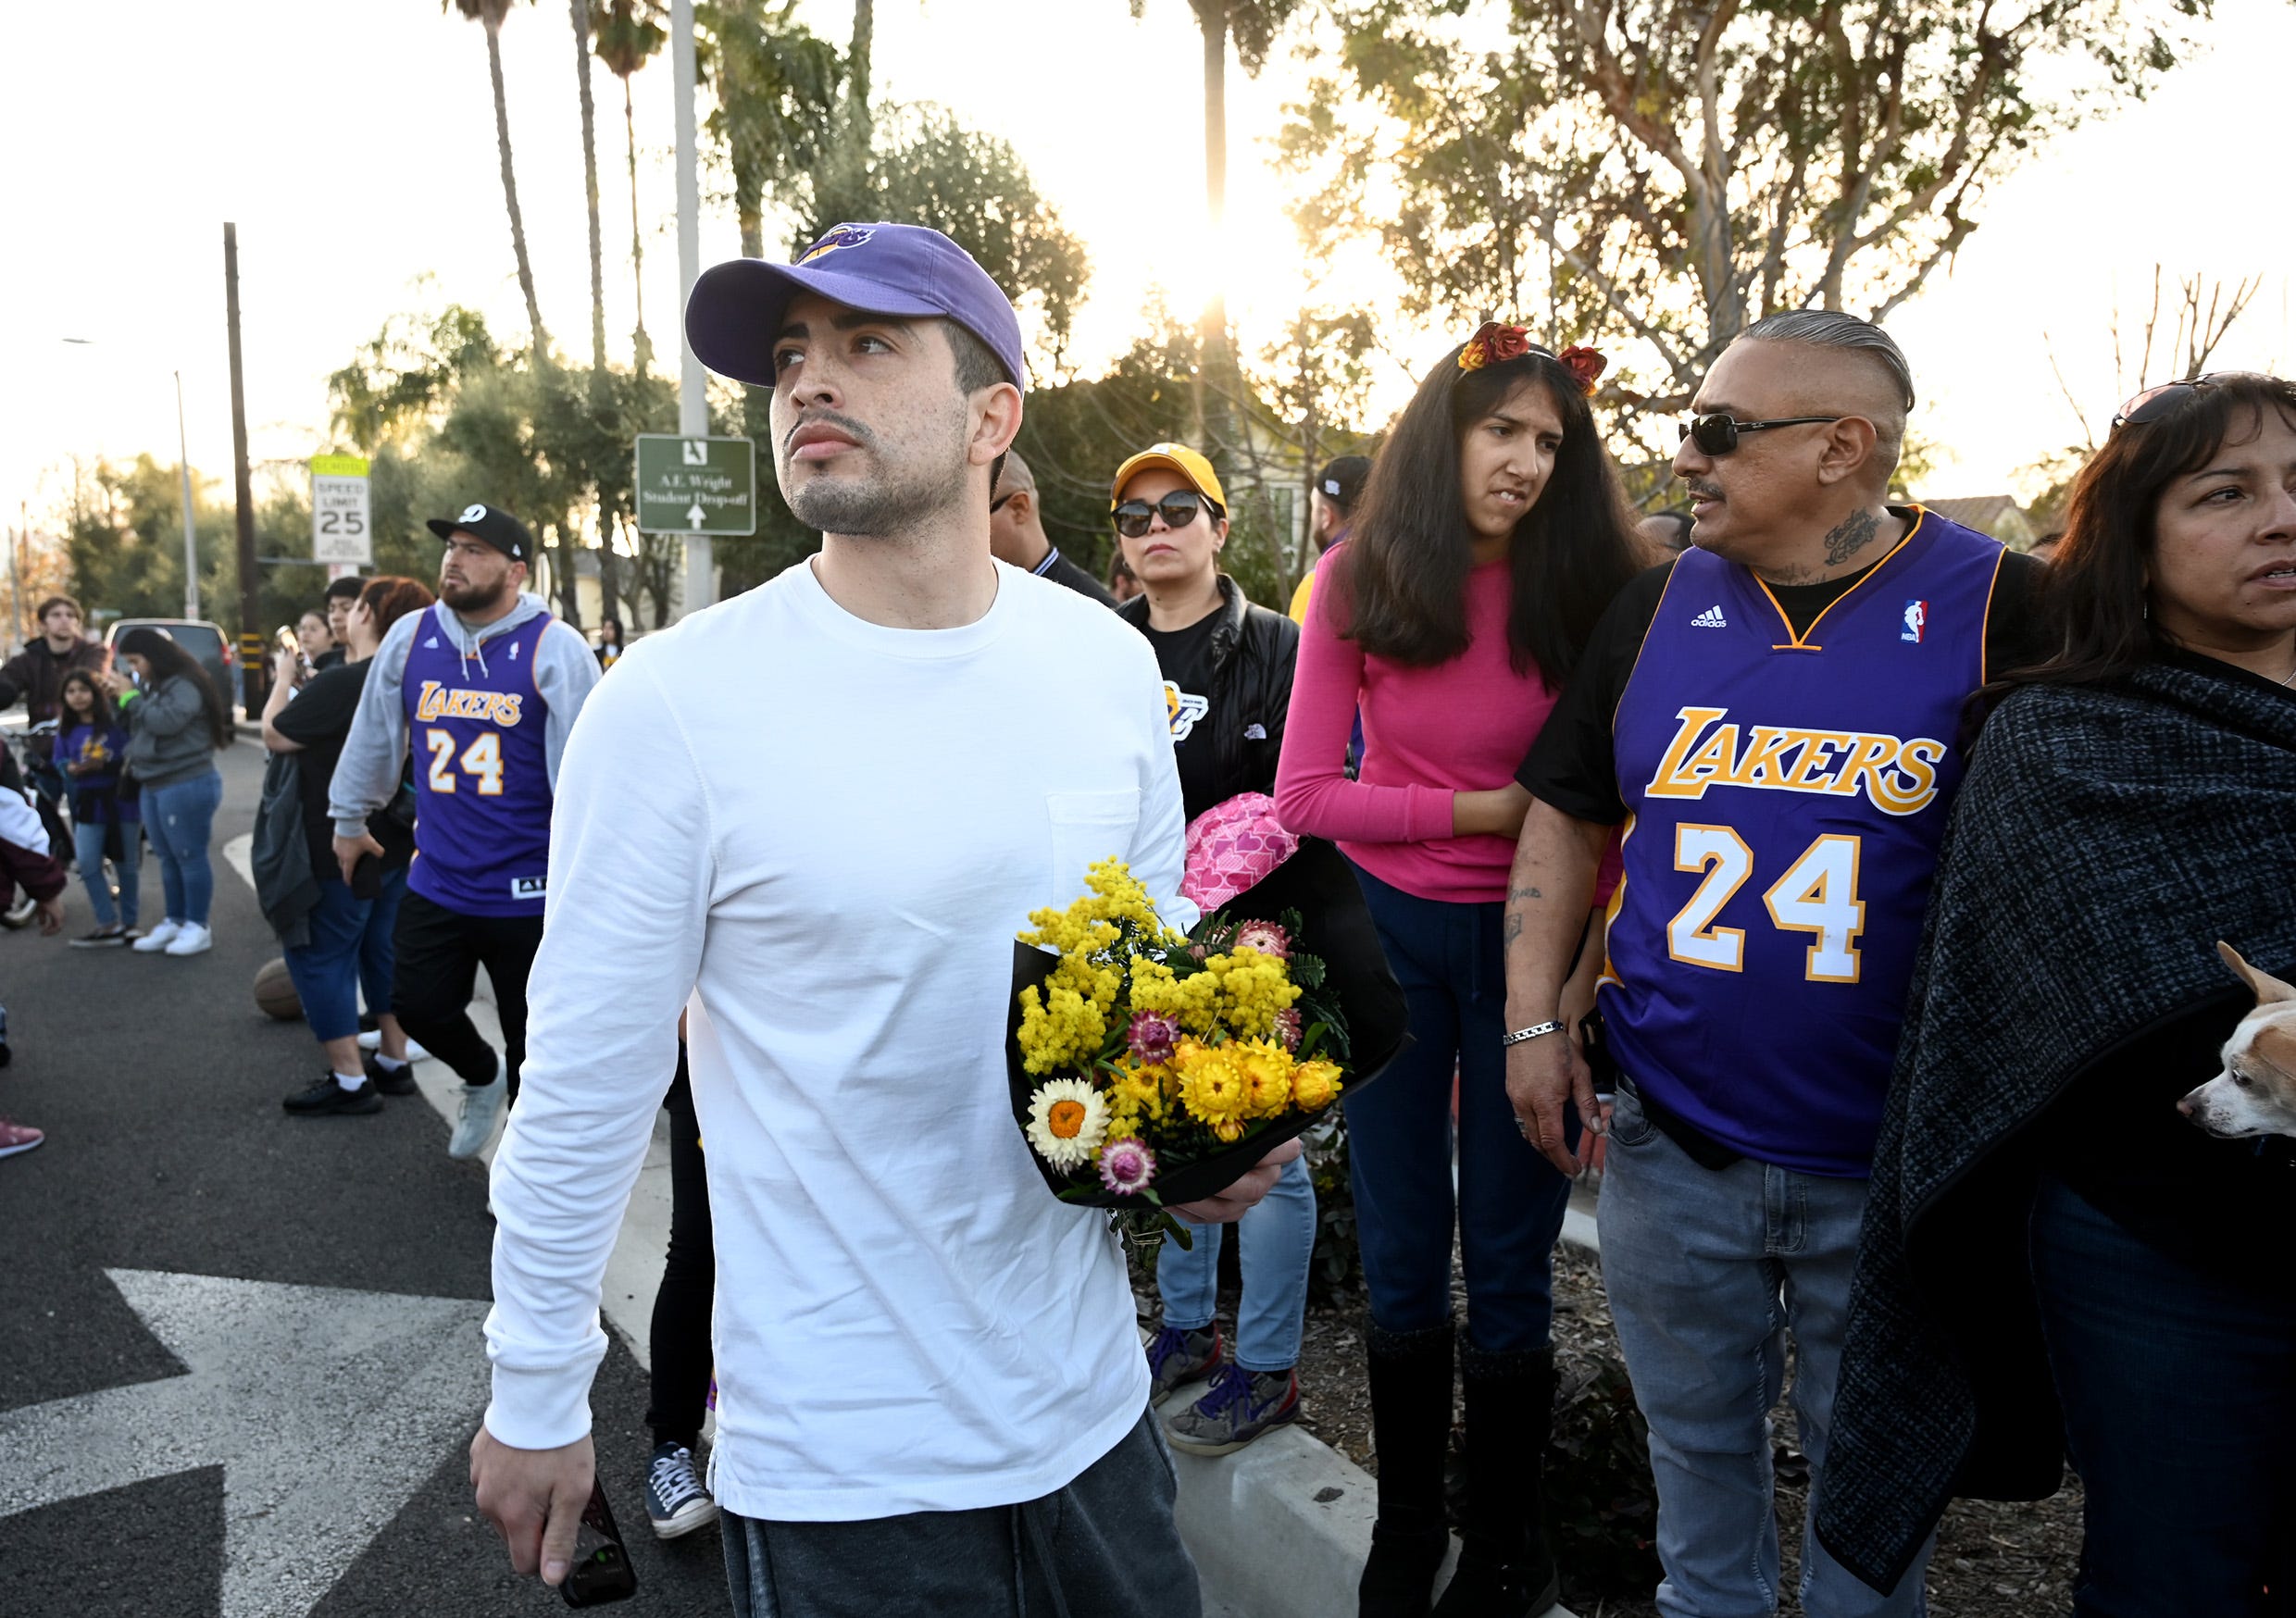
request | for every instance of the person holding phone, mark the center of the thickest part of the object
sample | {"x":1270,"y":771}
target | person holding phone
{"x":177,"y":722}
{"x":352,"y":924}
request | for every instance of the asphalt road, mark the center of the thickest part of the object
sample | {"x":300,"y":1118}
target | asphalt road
{"x":318,"y":1430}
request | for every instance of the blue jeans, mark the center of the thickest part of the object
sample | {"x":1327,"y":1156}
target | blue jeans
{"x":1278,"y":1238}
{"x":1707,"y":1271}
{"x":178,"y":820}
{"x":1509,"y":1201}
{"x":350,"y":951}
{"x":2179,"y":1394}
{"x":88,"y":849}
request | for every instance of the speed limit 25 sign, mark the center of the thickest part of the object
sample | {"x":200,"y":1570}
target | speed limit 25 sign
{"x":341,"y":527}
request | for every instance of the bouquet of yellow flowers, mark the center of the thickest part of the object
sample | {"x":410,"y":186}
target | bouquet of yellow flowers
{"x":1151,"y":1067}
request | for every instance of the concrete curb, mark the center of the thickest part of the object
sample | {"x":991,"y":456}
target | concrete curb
{"x":1282,"y":1529}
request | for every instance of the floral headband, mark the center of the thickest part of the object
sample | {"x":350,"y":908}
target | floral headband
{"x":1495,"y":344}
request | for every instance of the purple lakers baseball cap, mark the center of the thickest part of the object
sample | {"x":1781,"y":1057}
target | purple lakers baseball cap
{"x":907,"y":271}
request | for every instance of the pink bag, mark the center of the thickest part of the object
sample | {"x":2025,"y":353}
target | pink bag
{"x":1231,"y":847}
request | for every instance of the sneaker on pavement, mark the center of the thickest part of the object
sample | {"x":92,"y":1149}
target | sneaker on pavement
{"x":1241,"y":1406}
{"x":158,"y":938}
{"x":103,"y":938}
{"x":1176,"y":1357}
{"x":399,"y":1081}
{"x":16,"y":1137}
{"x":191,"y":940}
{"x":474,"y":1125}
{"x":326,"y":1099}
{"x":371,"y":1039}
{"x":676,"y":1500}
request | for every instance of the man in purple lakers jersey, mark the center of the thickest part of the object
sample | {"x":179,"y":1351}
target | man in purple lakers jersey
{"x":483,"y":688}
{"x":1775,"y":716}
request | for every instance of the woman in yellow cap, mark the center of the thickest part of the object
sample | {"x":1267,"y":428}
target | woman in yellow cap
{"x":1227,"y":685}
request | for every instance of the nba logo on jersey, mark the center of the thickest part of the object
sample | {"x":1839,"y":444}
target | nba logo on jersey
{"x":1917,"y":621}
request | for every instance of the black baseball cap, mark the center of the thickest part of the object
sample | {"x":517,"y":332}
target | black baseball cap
{"x":490,"y":526}
{"x":1342,"y":482}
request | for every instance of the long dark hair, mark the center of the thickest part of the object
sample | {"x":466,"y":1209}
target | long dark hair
{"x":170,"y":660}
{"x":101,"y":715}
{"x":1403,"y":570}
{"x":2095,"y":590}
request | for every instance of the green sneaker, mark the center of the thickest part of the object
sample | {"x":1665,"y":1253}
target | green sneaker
{"x":1239,"y":1407}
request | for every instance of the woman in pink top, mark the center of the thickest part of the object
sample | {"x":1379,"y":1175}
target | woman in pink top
{"x":1491,"y":537}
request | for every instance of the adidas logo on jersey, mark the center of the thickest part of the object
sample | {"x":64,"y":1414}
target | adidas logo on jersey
{"x":1711,"y":619}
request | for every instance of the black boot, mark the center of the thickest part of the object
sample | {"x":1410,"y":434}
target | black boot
{"x":1411,"y":1428}
{"x":1506,"y":1567}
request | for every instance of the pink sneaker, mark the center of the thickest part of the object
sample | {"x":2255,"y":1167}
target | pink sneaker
{"x":16,"y":1137}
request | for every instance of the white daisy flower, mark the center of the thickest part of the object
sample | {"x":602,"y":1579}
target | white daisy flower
{"x":1067,"y":1120}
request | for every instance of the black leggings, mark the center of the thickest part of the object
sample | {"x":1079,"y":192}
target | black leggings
{"x":681,"y":1309}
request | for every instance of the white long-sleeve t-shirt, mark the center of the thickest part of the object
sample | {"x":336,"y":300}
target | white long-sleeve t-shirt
{"x":826,"y":833}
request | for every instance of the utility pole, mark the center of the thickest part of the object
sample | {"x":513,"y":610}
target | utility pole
{"x":700,"y":580}
{"x":242,"y":489}
{"x":191,"y":533}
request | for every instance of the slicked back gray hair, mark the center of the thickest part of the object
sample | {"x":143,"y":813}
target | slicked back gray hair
{"x":1830,"y":329}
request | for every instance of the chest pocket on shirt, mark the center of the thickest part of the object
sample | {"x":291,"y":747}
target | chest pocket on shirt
{"x":1088,"y":828}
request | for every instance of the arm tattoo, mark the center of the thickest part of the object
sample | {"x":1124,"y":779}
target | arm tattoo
{"x":1512,"y":930}
{"x":1515,"y":894}
{"x":1850,"y":537}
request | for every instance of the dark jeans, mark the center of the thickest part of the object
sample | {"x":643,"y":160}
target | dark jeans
{"x":439,"y":952}
{"x":2180,"y":1395}
{"x":1510,"y":1200}
{"x":1105,"y":1546}
{"x":680,"y":1332}
{"x":351,"y":949}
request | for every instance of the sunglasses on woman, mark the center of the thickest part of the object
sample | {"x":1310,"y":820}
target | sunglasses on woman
{"x":2155,"y":402}
{"x":1178,"y":509}
{"x":1717,"y":432}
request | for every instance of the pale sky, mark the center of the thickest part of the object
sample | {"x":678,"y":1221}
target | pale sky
{"x":353,"y":142}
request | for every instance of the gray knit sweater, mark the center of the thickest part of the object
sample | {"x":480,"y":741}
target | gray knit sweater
{"x":2104,"y":839}
{"x":169,"y":740}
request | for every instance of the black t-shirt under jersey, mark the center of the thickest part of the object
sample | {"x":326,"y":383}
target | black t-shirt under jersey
{"x":1573,"y":764}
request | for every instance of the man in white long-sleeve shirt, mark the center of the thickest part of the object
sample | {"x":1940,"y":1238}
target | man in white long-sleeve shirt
{"x":818,"y":813}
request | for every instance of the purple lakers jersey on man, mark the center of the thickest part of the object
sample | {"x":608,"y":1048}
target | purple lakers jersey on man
{"x":481,"y":771}
{"x":1786,"y":796}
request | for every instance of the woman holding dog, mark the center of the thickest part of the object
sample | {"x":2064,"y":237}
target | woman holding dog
{"x":1490,"y":536}
{"x":2055,"y":1261}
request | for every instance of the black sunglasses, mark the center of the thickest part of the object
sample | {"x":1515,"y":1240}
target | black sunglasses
{"x":1717,"y":432}
{"x":2155,"y":402}
{"x":1178,"y":509}
{"x":998,"y":503}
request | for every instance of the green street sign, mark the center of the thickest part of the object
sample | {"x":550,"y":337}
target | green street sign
{"x":696,"y":485}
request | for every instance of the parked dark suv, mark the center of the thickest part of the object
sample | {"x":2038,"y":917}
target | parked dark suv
{"x":206,"y":641}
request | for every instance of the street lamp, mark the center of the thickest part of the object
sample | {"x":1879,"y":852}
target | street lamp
{"x":183,"y":461}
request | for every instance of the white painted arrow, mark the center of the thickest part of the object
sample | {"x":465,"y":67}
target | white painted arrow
{"x":326,"y":1410}
{"x":695,"y":516}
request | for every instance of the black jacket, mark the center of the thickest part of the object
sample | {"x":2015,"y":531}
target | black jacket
{"x":1252,"y":652}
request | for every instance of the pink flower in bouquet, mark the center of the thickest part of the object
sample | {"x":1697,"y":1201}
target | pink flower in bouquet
{"x":1126,"y":1165}
{"x":1266,"y":937}
{"x":1152,"y":1038}
{"x":1288,"y":1027}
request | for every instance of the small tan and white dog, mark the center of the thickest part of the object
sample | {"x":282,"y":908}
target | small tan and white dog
{"x":2256,"y":1092}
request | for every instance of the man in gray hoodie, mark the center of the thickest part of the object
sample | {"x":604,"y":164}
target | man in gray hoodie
{"x":483,"y":688}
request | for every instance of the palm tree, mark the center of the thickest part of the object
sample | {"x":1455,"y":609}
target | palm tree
{"x":629,"y":32}
{"x":490,"y":14}
{"x":578,"y":11}
{"x":776,"y":87}
{"x":1250,"y":26}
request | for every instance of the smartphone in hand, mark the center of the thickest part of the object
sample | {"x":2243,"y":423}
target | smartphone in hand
{"x":601,"y":1572}
{"x":367,"y":878}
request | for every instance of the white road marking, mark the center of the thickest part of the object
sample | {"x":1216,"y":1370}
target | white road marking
{"x":635,"y":1272}
{"x":325,"y":1409}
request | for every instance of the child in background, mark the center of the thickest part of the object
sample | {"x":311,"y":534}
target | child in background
{"x":89,"y":745}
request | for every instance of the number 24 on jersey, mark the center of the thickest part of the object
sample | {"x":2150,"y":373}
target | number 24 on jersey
{"x":482,"y":761}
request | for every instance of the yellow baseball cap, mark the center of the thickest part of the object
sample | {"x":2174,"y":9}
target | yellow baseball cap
{"x":1180,"y":459}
